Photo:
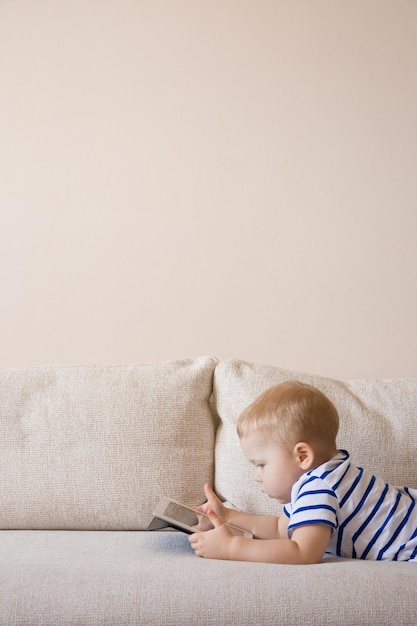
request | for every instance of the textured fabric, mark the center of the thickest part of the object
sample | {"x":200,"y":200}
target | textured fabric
{"x":95,"y":447}
{"x":370,"y":519}
{"x":66,"y":578}
{"x":378,"y":425}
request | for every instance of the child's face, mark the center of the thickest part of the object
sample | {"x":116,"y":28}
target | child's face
{"x":276,"y":466}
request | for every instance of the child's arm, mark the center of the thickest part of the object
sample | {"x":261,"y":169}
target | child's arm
{"x":307,"y":545}
{"x":261,"y":526}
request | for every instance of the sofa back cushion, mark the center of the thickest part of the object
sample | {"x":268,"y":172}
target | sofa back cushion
{"x":94,"y":447}
{"x":378,"y":426}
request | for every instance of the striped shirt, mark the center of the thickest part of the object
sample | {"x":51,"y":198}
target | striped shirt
{"x":370,"y":519}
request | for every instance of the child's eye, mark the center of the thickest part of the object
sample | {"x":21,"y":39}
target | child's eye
{"x":261,"y":465}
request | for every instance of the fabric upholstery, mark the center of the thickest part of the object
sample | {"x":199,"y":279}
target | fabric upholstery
{"x":378,"y":425}
{"x":95,"y":447}
{"x":64,"y":578}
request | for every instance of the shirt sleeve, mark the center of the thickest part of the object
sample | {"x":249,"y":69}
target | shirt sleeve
{"x":315,"y":503}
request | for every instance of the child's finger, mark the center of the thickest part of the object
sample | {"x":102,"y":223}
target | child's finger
{"x":210,"y":495}
{"x":214,"y":518}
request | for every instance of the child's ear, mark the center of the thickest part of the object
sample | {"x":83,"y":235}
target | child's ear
{"x":304,"y":455}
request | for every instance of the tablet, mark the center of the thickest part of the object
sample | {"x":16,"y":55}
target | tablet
{"x":185,"y":518}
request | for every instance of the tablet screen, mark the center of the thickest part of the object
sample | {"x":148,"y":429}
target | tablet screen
{"x":186,"y":519}
{"x":181,"y":513}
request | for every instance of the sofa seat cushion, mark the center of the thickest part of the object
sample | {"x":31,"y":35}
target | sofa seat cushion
{"x":61,"y":578}
{"x":94,"y":447}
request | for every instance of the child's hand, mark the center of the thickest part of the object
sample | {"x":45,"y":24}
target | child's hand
{"x":215,"y":543}
{"x":214,"y":504}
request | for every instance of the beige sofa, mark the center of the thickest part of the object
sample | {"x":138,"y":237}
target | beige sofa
{"x":86,"y":452}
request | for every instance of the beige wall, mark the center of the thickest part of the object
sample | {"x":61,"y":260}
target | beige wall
{"x":225,"y":177}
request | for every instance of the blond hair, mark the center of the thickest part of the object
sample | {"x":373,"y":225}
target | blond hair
{"x":292,"y":412}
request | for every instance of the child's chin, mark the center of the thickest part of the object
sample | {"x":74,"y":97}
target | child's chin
{"x":279,"y":500}
{"x":272,"y":497}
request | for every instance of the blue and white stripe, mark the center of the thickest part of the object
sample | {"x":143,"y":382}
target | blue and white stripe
{"x":370,"y":519}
